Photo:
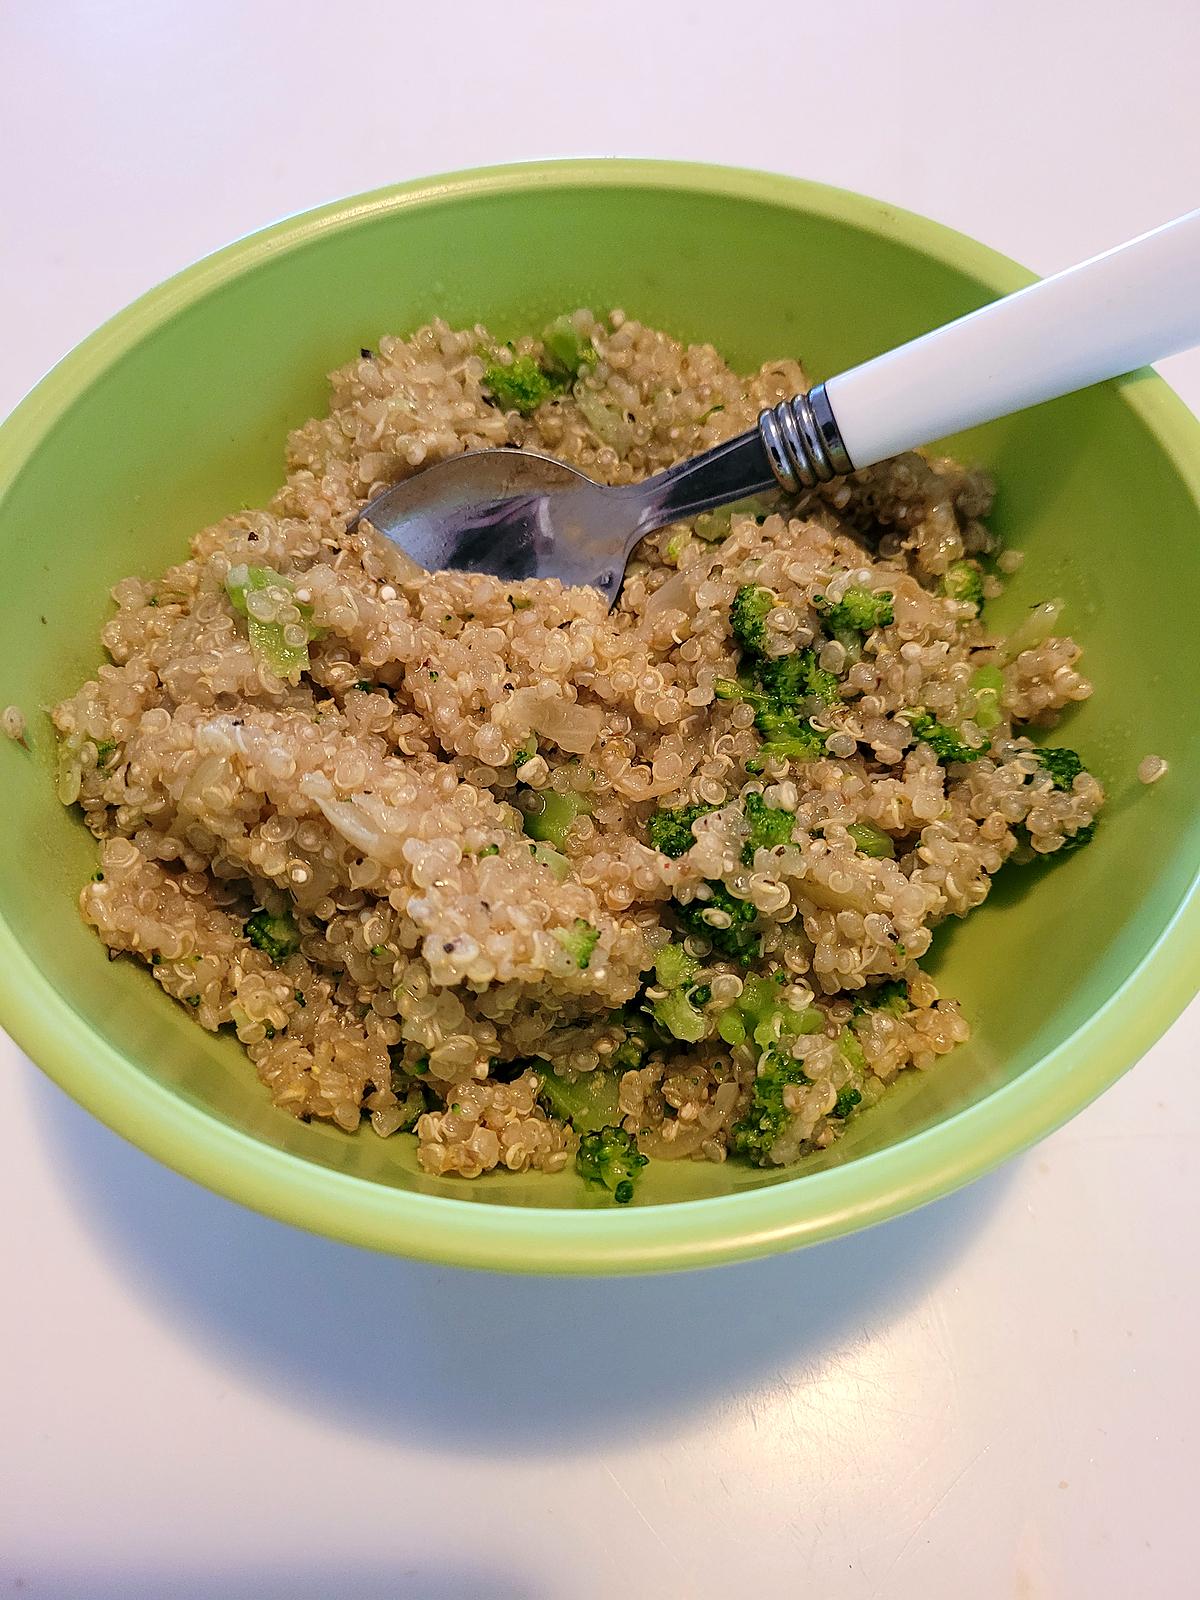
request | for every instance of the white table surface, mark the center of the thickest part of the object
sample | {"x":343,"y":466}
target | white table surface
{"x":994,"y":1397}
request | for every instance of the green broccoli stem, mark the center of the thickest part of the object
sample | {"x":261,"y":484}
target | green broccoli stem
{"x":286,"y":660}
{"x":676,"y":1013}
{"x":588,"y":1101}
{"x":551,"y":814}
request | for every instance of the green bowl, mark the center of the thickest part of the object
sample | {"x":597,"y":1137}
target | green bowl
{"x":176,"y":412}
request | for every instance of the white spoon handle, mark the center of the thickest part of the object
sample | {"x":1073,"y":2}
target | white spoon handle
{"x":1121,"y":310}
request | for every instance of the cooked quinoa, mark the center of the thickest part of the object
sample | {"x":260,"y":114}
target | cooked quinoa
{"x":488,"y":863}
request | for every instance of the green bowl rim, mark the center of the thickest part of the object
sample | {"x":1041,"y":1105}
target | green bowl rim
{"x":672,"y":1235}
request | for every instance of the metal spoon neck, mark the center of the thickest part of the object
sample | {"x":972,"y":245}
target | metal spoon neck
{"x":795,"y":445}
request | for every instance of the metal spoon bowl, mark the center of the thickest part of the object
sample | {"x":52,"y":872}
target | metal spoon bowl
{"x":519,"y":515}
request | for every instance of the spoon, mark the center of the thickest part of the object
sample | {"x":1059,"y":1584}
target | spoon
{"x":520,"y":515}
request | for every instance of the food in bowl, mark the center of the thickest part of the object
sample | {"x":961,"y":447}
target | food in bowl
{"x":537,"y":882}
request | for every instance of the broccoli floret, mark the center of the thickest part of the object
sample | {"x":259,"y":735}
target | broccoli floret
{"x":820,"y":683}
{"x":963,"y":581}
{"x":520,"y":386}
{"x":768,"y":828}
{"x":267,"y":639}
{"x":858,"y":611}
{"x":629,"y":1055}
{"x":785,"y":733}
{"x":785,"y":683}
{"x":789,"y":679}
{"x":413,"y":1106}
{"x":553,"y":813}
{"x":1062,"y":765}
{"x":851,"y":1051}
{"x":670,"y":831}
{"x":589,"y":1103}
{"x":579,"y":940}
{"x":944,"y":742}
{"x":781,"y":678}
{"x":641,"y":1037}
{"x":890,"y":997}
{"x":737,"y":940}
{"x":567,"y":348}
{"x":847,"y":1099}
{"x":610,"y":1156}
{"x":276,"y":936}
{"x":872,"y":841}
{"x":748,"y":616}
{"x":766,"y":1116}
{"x":1078,"y":839}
